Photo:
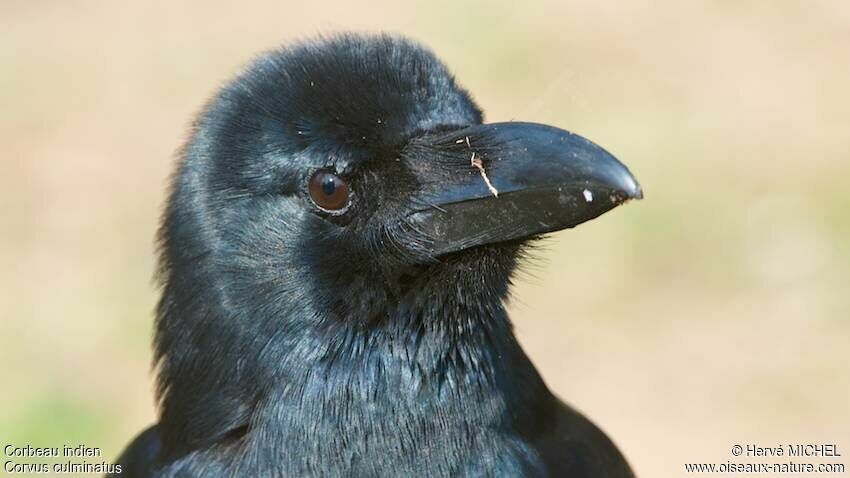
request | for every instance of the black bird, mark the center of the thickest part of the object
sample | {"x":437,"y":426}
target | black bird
{"x":336,"y":249}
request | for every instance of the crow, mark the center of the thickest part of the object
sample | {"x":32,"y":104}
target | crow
{"x":335,"y":256}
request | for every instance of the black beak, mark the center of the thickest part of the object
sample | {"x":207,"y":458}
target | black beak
{"x":504,"y":181}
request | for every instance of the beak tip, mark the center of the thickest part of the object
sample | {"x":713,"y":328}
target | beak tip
{"x":637,"y":192}
{"x":629,"y":186}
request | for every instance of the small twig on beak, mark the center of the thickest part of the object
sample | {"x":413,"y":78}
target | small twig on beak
{"x":476,"y":163}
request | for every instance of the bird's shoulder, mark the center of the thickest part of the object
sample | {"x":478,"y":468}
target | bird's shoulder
{"x":139,"y":458}
{"x":575,"y":446}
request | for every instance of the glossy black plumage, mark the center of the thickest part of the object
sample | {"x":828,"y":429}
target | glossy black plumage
{"x":292,"y":342}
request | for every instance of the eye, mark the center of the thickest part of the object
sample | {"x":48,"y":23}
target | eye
{"x":329,"y":191}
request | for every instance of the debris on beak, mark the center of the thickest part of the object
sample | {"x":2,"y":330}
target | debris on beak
{"x":476,"y":163}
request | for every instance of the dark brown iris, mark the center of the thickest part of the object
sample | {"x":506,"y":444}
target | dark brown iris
{"x":329,"y":191}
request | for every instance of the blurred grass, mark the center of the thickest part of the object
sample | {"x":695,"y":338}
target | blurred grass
{"x":714,"y":312}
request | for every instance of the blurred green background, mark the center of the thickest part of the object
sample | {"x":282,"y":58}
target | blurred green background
{"x":712,"y":313}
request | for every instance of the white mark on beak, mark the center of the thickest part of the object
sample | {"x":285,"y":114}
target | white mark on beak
{"x":477,"y":163}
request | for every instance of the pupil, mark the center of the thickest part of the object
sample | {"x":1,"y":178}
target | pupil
{"x":329,"y":186}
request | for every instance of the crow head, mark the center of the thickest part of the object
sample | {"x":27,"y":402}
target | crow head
{"x":338,"y":190}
